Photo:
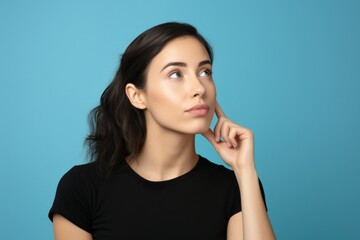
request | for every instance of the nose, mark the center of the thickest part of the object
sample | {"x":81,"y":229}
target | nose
{"x":197,"y":88}
{"x":199,"y":92}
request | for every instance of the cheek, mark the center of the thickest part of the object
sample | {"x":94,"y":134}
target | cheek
{"x":211,"y":98}
{"x":165,"y":94}
{"x":211,"y":91}
{"x":162,"y":101}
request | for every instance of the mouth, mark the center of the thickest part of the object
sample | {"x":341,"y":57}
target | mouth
{"x":199,"y":110}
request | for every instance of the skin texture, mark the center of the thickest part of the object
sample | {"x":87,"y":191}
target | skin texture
{"x":169,"y":148}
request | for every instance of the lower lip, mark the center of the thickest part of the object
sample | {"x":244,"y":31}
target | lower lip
{"x":199,"y":112}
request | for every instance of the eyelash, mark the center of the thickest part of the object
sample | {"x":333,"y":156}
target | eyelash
{"x":175,"y":72}
{"x":208,"y":71}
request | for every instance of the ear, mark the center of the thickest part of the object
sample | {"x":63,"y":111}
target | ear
{"x":135,"y":96}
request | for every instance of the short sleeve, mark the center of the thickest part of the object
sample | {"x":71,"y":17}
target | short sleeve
{"x":235,"y":197}
{"x":73,"y":200}
{"x":235,"y":204}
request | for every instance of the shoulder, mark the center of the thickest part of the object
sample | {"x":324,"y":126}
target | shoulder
{"x":75,"y":195}
{"x":216,"y":168}
{"x":217,"y":172}
{"x":81,"y":171}
{"x":222,"y":185}
{"x":80,"y":176}
{"x":89,"y":176}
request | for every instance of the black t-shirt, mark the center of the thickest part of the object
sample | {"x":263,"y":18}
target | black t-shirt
{"x":195,"y":205}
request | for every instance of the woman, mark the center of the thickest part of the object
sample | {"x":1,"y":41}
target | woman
{"x":146,"y":180}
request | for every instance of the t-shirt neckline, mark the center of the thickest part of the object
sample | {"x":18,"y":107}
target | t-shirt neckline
{"x":165,"y":182}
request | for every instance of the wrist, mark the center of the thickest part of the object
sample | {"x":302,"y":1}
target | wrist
{"x":245,"y":173}
{"x":244,"y":168}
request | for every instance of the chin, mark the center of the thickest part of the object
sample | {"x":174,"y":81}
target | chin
{"x":201,"y":128}
{"x":204,"y":129}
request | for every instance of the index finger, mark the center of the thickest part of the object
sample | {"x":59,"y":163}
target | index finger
{"x":218,"y":111}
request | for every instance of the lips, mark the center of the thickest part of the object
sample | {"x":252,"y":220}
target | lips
{"x":199,"y":110}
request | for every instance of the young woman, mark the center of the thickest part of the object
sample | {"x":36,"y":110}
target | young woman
{"x":146,"y":180}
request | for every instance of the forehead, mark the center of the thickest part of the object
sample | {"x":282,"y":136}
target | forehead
{"x":185,"y":49}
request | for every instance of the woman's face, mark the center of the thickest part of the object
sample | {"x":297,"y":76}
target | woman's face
{"x":180,"y":93}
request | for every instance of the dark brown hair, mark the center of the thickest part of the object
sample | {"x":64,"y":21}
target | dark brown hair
{"x":117,"y":128}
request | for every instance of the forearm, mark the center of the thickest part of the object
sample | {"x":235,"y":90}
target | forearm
{"x":256,"y":223}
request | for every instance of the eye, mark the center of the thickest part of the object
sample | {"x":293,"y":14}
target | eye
{"x":206,"y":73}
{"x":175,"y":75}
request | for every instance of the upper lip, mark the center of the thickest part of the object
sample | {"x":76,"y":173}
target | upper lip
{"x":197,"y":107}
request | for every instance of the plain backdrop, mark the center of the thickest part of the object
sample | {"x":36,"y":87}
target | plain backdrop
{"x":288,"y":70}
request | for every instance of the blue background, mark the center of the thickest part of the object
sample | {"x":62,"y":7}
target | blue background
{"x":288,"y":70}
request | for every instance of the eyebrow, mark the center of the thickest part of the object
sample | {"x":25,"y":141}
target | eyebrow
{"x":182,"y":64}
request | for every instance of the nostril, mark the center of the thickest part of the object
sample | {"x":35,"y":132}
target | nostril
{"x":199,"y":93}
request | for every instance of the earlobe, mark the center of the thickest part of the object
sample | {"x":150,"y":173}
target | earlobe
{"x":135,"y":96}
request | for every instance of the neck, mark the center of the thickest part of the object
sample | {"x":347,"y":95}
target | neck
{"x":165,"y":155}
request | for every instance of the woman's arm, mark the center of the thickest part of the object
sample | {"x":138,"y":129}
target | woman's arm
{"x":237,"y":150}
{"x":235,"y":227}
{"x":66,"y":230}
{"x":256,"y":223}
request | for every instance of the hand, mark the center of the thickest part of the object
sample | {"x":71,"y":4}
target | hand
{"x":234,"y":144}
